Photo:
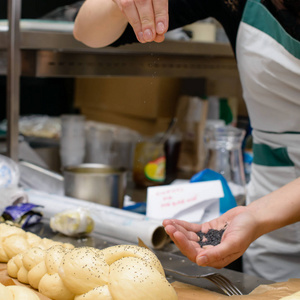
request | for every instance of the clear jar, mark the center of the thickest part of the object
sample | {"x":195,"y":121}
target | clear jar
{"x":149,"y":164}
{"x":224,"y":155}
{"x":72,"y":139}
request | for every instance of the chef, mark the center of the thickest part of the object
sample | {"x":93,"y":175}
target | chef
{"x":265,"y":37}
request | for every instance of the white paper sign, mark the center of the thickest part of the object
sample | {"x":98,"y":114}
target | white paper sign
{"x":184,"y":201}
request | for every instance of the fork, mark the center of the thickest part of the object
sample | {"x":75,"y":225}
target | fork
{"x":218,"y":279}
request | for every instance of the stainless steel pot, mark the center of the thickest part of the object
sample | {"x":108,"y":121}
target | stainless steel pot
{"x":96,"y":183}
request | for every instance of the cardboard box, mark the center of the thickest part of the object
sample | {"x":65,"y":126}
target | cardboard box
{"x":143,"y":97}
{"x":148,"y":127}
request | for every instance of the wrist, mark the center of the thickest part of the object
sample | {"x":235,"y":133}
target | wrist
{"x":263,"y":217}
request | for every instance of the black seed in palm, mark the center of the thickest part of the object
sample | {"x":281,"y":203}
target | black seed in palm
{"x":212,"y":237}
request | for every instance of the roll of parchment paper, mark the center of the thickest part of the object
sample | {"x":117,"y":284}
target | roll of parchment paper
{"x":109,"y":221}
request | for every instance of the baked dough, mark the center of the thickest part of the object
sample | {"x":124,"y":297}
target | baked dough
{"x":62,"y":272}
{"x":50,"y":283}
{"x":83,"y":269}
{"x":98,"y":293}
{"x":295,"y":296}
{"x":14,"y":292}
{"x":30,"y":266}
{"x":5,"y":293}
{"x":86,"y":273}
{"x":53,"y":287}
{"x":14,"y":240}
{"x":115,"y":253}
{"x":6,"y":232}
{"x":134,"y":278}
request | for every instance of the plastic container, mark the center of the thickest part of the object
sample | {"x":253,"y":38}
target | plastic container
{"x":72,"y":140}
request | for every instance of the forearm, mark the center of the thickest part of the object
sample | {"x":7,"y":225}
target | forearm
{"x":277,"y":209}
{"x":99,"y":23}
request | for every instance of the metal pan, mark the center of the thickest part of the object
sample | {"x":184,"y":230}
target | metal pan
{"x":98,"y":183}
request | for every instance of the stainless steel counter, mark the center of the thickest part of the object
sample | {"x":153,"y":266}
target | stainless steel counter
{"x":168,"y":259}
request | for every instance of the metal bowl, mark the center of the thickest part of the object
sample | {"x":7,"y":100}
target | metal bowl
{"x":98,"y":183}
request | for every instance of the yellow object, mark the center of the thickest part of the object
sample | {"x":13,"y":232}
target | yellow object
{"x":73,"y":222}
{"x":149,"y":166}
{"x":155,"y":170}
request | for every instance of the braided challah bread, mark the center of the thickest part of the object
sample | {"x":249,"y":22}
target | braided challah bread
{"x":115,"y":273}
{"x":14,"y":292}
{"x":14,"y":240}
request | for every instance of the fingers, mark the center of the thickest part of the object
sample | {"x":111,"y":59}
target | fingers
{"x":159,"y":38}
{"x":130,"y":11}
{"x":185,"y":228}
{"x":145,"y":10}
{"x":161,"y":15}
{"x":188,"y":248}
{"x":186,"y":225}
{"x":148,"y":18}
{"x":221,"y":255}
{"x":212,"y":257}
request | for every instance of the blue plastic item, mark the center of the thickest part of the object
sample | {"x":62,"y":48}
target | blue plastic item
{"x":228,"y":201}
{"x":137,"y":208}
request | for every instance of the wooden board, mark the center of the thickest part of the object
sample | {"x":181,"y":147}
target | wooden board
{"x":263,"y":292}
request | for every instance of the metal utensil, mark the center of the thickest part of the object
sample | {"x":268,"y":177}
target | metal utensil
{"x":218,"y":279}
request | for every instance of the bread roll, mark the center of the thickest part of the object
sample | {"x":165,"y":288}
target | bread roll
{"x":5,"y":293}
{"x":32,"y":239}
{"x":32,"y":257}
{"x":20,"y":265}
{"x":14,"y":265}
{"x":53,"y":287}
{"x":36,"y":273}
{"x":6,"y":241}
{"x":22,"y":293}
{"x":120,"y":251}
{"x":98,"y":293}
{"x":8,"y":230}
{"x":14,"y":245}
{"x":14,"y":240}
{"x":14,"y":292}
{"x":134,"y":278}
{"x":83,"y":269}
{"x":53,"y":258}
{"x":295,"y":296}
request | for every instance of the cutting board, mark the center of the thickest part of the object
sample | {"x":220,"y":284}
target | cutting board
{"x":189,"y":292}
{"x":263,"y":292}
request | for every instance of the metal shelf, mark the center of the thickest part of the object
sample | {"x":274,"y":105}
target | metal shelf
{"x":58,"y":54}
{"x":55,"y":54}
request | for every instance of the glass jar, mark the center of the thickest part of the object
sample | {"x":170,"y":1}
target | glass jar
{"x":149,"y":164}
{"x":224,"y":155}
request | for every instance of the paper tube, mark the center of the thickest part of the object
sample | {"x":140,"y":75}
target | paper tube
{"x":109,"y":221}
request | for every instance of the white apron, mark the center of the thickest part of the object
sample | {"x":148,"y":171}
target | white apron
{"x":269,"y":65}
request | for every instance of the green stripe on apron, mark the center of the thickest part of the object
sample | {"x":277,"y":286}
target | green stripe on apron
{"x":264,"y":155}
{"x":260,"y":18}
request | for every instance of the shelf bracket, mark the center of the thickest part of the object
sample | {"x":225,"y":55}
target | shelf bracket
{"x":13,"y":78}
